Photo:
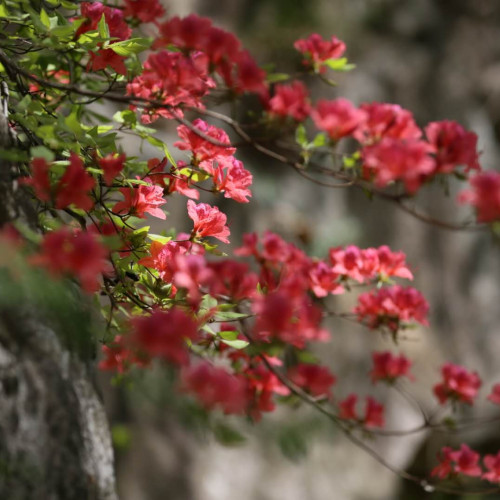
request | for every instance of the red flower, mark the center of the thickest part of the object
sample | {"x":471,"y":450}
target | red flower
{"x":163,"y":257}
{"x":231,"y":177}
{"x":453,"y":146}
{"x":316,"y":50}
{"x":386,"y":120}
{"x":164,"y":334}
{"x":391,"y":306}
{"x":40,"y":179}
{"x":388,"y":368}
{"x":494,"y":397}
{"x":466,"y":461}
{"x":107,"y":57}
{"x":78,"y":253}
{"x":208,"y":221}
{"x":324,"y":280}
{"x":463,"y":461}
{"x":492,"y":463}
{"x":215,"y":387}
{"x":173,"y":78}
{"x":74,"y":186}
{"x":374,"y":413}
{"x":445,"y":467}
{"x":392,"y":160}
{"x":484,"y":195}
{"x":142,"y":199}
{"x":202,"y":149}
{"x":119,"y":357}
{"x":347,"y":407}
{"x":112,"y":166}
{"x":233,"y":279}
{"x":458,"y":384}
{"x":290,"y":100}
{"x":313,"y":378}
{"x":338,"y":118}
{"x":147,"y":11}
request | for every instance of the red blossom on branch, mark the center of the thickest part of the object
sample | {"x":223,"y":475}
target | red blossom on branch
{"x":391,"y":306}
{"x":290,"y":101}
{"x":142,"y":199}
{"x":317,"y":50}
{"x":458,"y":384}
{"x":74,"y":252}
{"x":164,"y":334}
{"x":338,"y":118}
{"x":484,"y":195}
{"x":208,"y":221}
{"x":313,"y":378}
{"x":388,"y":368}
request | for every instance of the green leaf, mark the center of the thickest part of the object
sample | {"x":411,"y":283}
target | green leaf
{"x":229,"y":335}
{"x":102,"y":27}
{"x":160,"y":239}
{"x":301,"y":136}
{"x":227,"y":435}
{"x":277,"y":77}
{"x":3,"y":11}
{"x":44,"y":17}
{"x":42,"y":152}
{"x":133,"y":46}
{"x":236,"y":344}
{"x":339,"y":64}
{"x":227,"y":315}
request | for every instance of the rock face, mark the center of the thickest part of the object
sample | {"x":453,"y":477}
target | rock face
{"x":54,"y":436}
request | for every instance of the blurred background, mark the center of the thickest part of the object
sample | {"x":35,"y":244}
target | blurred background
{"x":441,"y":60}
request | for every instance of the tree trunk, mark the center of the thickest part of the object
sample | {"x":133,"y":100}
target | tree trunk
{"x":54,"y":436}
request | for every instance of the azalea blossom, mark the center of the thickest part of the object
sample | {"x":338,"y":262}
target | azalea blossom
{"x":458,"y":384}
{"x":142,"y":199}
{"x":388,"y":368}
{"x":208,"y":221}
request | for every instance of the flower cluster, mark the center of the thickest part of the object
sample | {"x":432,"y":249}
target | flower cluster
{"x":388,"y":368}
{"x":317,"y":51}
{"x":465,"y":462}
{"x":390,"y":307}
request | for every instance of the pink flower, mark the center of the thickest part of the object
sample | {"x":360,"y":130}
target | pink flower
{"x":391,"y":306}
{"x":492,"y":463}
{"x":338,"y":118}
{"x":208,"y":221}
{"x":386,"y":120}
{"x":233,"y":279}
{"x":388,"y":368}
{"x":163,"y":257}
{"x":74,"y":186}
{"x":395,"y":160}
{"x":164,"y":334}
{"x":324,"y":280}
{"x":484,"y":195}
{"x":317,"y":50}
{"x":112,"y":165}
{"x":453,"y":146}
{"x":494,"y":397}
{"x":290,"y":100}
{"x":458,"y":384}
{"x":215,"y":387}
{"x":313,"y":378}
{"x":145,"y":198}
